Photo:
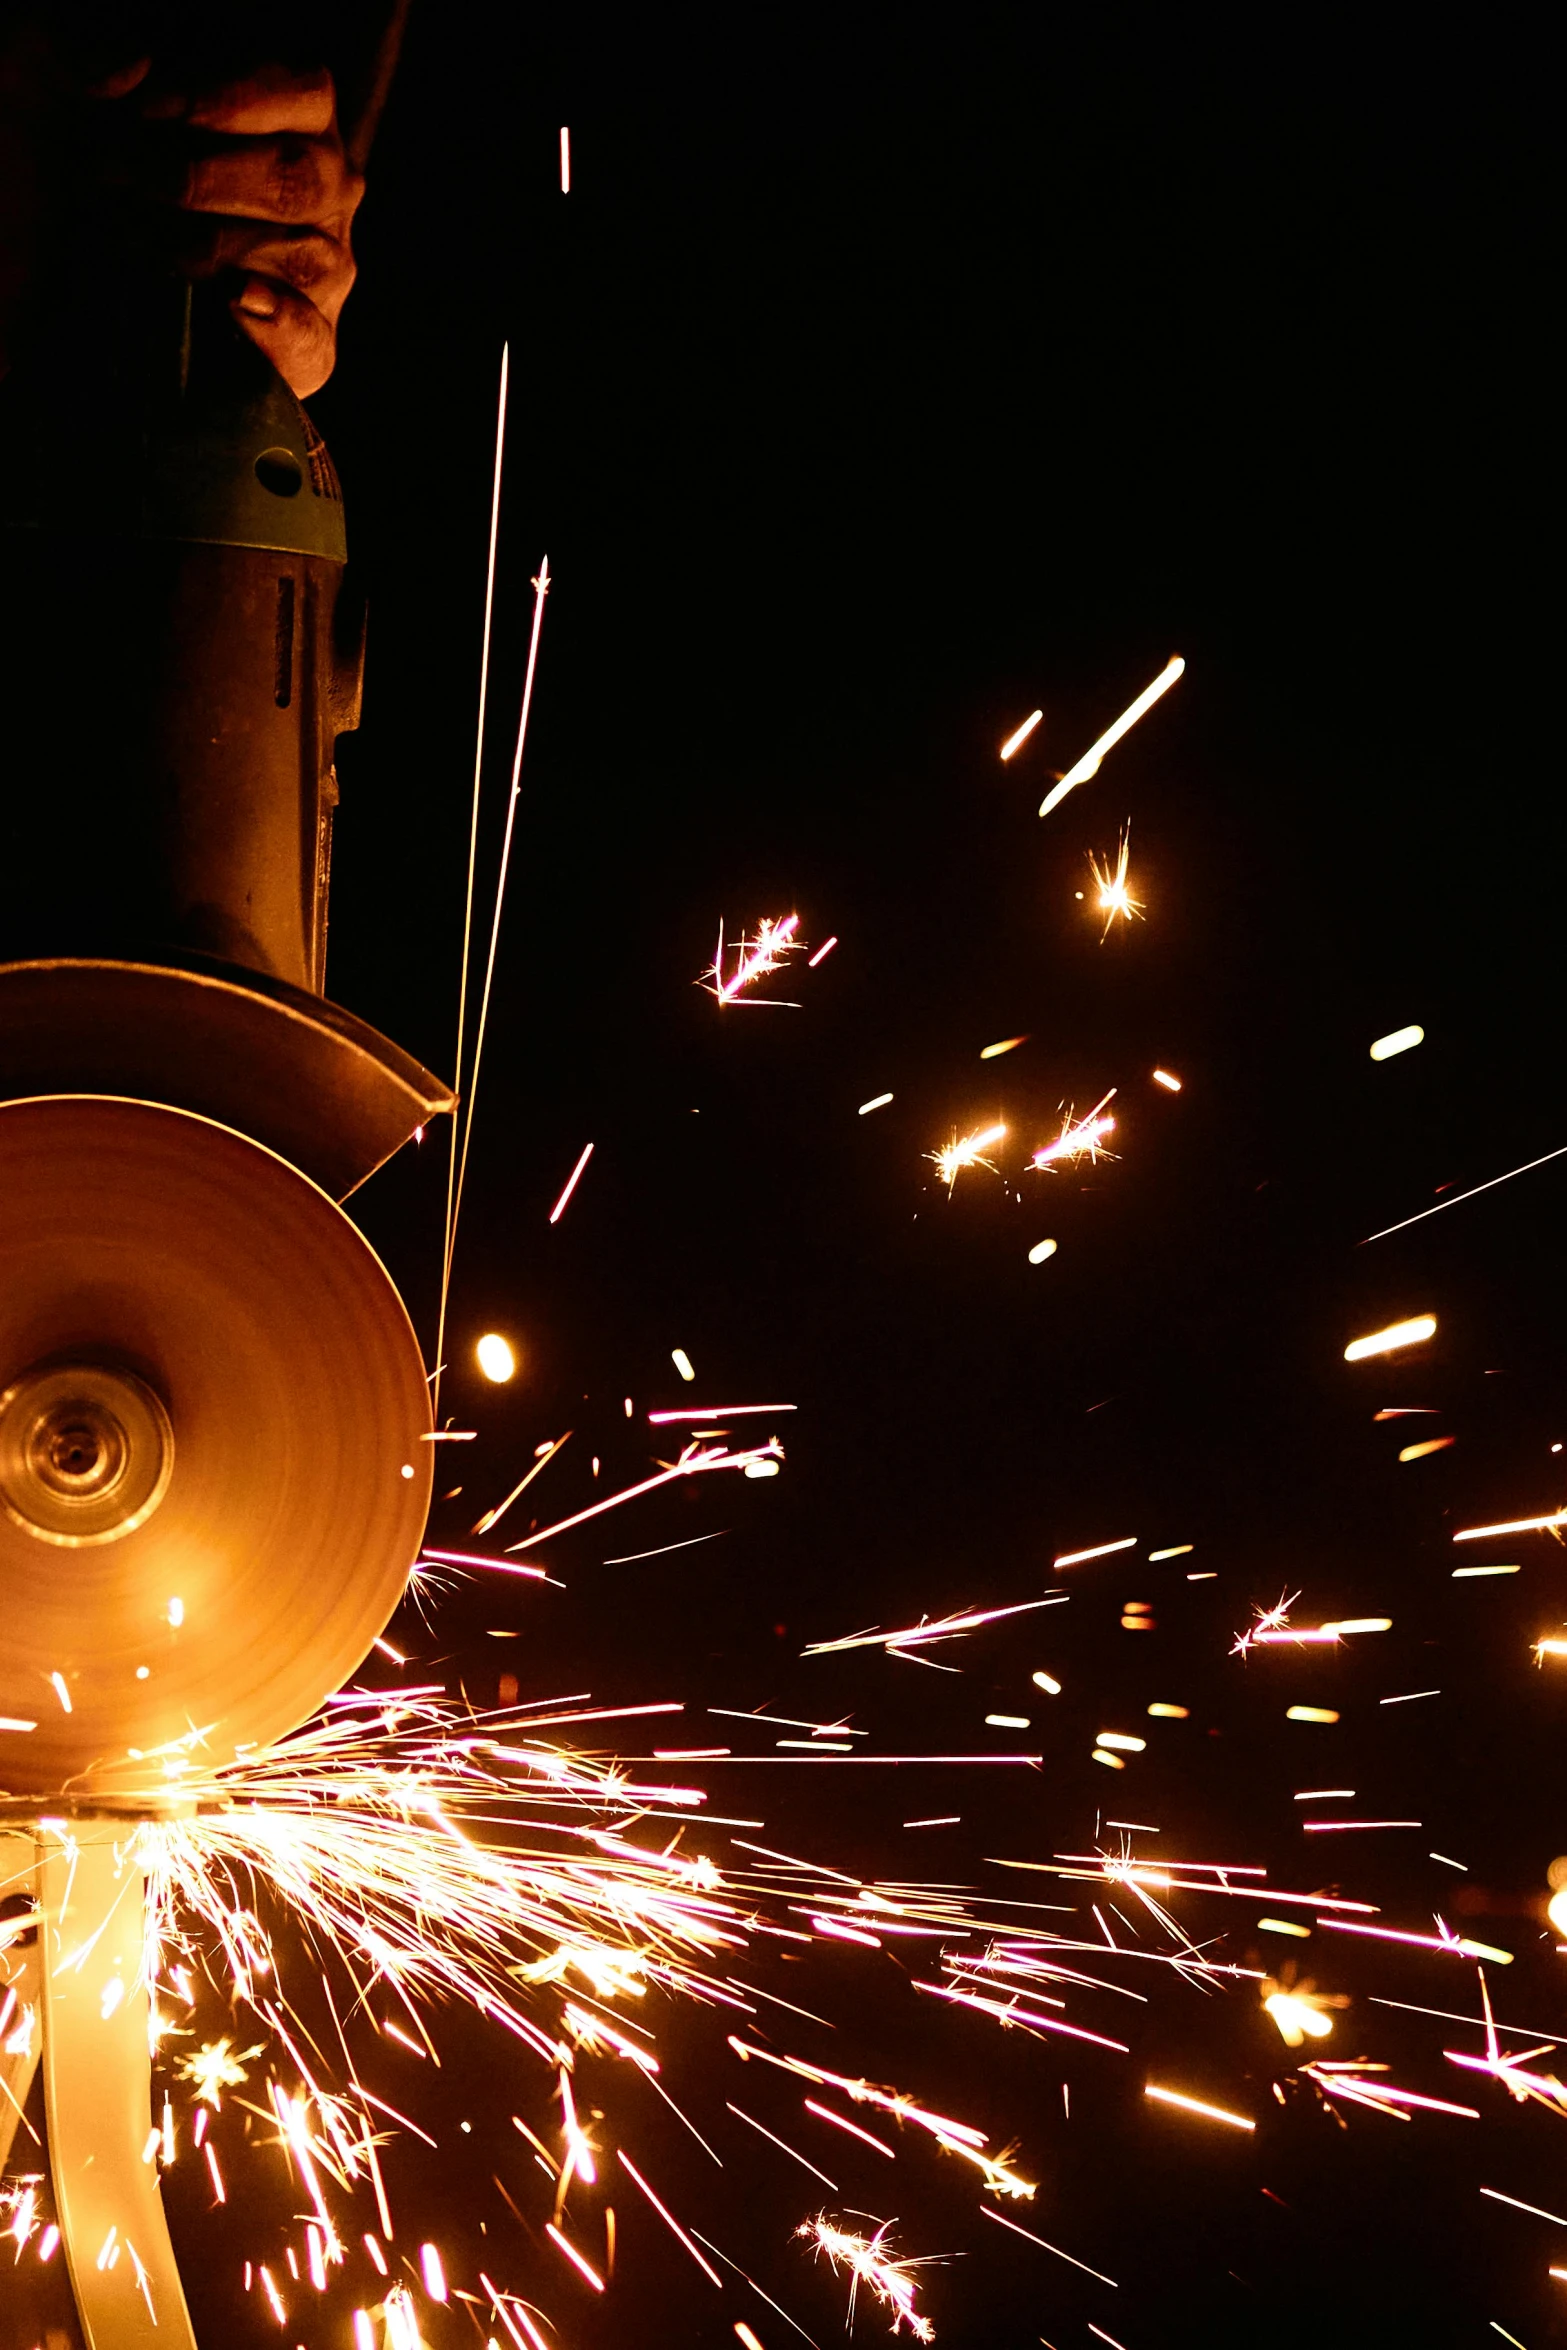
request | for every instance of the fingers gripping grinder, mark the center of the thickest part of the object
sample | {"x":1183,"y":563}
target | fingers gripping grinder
{"x":212,"y":1479}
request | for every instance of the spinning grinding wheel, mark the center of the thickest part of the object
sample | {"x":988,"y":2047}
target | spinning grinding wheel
{"x":212,"y":1487}
{"x":212,"y":1483}
{"x":212,"y":1479}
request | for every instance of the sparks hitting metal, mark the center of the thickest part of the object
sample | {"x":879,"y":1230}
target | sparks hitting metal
{"x":951,"y":1159}
{"x":1115,"y":900}
{"x":1079,"y":1138}
{"x":755,"y":958}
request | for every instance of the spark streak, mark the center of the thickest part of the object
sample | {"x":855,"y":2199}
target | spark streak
{"x":957,"y":1154}
{"x":755,"y":958}
{"x":1079,"y":1138}
{"x":1460,"y":1196}
{"x":670,"y":2220}
{"x":889,"y":2279}
{"x":1003,"y":2222}
{"x":943,"y":1627}
{"x":719,"y":1411}
{"x":1397,"y":1334}
{"x":1089,"y":764}
{"x":1213,"y":2113}
{"x":1546,"y":1525}
{"x":572,"y":1180}
{"x":692,"y":1462}
{"x":1102,"y":1550}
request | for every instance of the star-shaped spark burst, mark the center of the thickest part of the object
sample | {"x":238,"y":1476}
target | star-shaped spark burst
{"x":969,"y":1151}
{"x":1115,"y":899}
{"x":214,"y":2068}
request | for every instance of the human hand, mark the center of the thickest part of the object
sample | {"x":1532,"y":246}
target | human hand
{"x":248,"y":181}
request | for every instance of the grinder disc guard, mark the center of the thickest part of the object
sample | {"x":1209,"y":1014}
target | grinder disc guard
{"x":212,"y":1479}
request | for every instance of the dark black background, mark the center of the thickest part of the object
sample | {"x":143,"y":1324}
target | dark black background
{"x":882,"y":377}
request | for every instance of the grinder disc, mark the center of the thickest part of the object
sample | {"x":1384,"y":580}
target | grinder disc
{"x":212,"y":1480}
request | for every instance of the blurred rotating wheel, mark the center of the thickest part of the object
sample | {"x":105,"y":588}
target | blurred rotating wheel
{"x":212,"y":1479}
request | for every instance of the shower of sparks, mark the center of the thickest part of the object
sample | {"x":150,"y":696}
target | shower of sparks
{"x":867,"y":2263}
{"x":754,"y":958}
{"x":1089,"y":764}
{"x":426,"y":1857}
{"x":1115,"y":899}
{"x":364,"y":1835}
{"x":955,"y":1155}
{"x":1079,"y":1138}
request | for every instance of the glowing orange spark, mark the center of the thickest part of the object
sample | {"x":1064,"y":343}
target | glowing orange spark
{"x":1297,"y":2013}
{"x":692,"y":1462}
{"x":1546,"y":1525}
{"x":1115,"y":895}
{"x":1397,"y":1334}
{"x":1213,"y":2113}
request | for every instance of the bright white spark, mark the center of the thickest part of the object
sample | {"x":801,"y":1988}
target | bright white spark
{"x":1115,"y":894}
{"x":1381,"y":1342}
{"x":1088,"y":765}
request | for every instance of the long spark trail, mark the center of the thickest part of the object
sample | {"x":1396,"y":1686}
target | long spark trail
{"x":1079,"y":1137}
{"x":968,"y":1151}
{"x":756,"y":958}
{"x":922,"y":1634}
{"x":473,"y":853}
{"x":692,"y":1463}
{"x":541,"y":589}
{"x":890,"y":2279}
{"x":1089,"y":764}
{"x":1459,"y":1197}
